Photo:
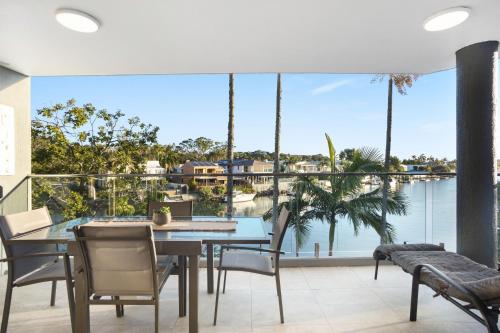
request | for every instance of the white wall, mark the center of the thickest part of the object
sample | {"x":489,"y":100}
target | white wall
{"x":15,"y":91}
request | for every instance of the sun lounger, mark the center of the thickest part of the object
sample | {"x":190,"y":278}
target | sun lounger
{"x":384,"y":252}
{"x":465,"y":283}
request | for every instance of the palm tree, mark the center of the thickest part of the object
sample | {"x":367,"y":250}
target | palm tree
{"x":346,"y":198}
{"x":230,"y":145}
{"x":277,"y":130}
{"x":401,"y":81}
{"x":301,"y":216}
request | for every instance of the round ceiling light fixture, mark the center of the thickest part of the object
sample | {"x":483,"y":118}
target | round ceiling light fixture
{"x":77,"y":20}
{"x":447,"y":19}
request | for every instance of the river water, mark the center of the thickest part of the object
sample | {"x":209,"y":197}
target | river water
{"x":431,"y":218}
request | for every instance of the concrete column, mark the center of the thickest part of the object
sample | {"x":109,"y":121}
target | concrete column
{"x":476,"y":163}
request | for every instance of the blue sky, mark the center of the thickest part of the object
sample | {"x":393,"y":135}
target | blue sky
{"x":349,"y":107}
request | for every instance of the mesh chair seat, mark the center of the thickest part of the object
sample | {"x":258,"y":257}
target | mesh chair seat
{"x":164,"y":267}
{"x":251,"y":262}
{"x":49,"y":272}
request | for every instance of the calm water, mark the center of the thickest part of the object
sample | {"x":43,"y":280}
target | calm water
{"x":431,"y":218}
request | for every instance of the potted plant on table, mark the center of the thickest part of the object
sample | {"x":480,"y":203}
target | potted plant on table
{"x":162,"y":216}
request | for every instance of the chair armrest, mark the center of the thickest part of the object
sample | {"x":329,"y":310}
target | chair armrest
{"x":249,"y":248}
{"x":33,"y":255}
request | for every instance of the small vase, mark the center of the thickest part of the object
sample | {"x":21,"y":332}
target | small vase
{"x":161,"y":218}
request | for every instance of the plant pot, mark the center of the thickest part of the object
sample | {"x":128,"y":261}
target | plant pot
{"x":162,"y":218}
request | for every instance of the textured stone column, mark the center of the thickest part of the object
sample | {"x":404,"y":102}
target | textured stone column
{"x":476,"y":163}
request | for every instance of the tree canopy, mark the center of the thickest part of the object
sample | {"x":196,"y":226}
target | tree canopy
{"x":72,"y":138}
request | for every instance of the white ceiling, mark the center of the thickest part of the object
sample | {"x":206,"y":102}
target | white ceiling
{"x":223,"y":36}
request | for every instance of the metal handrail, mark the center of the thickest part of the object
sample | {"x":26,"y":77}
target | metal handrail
{"x":234,"y":175}
{"x":246,"y":174}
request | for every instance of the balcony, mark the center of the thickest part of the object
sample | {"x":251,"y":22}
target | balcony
{"x":323,"y":292}
{"x":327,"y":268}
{"x":316,"y":300}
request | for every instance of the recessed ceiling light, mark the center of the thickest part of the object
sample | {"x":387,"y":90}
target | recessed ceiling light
{"x":447,"y":19}
{"x":77,"y":20}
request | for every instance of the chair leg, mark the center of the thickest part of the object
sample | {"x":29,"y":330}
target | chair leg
{"x":217,"y":297}
{"x":53,"y":293}
{"x":224,"y":285}
{"x":414,"y":297}
{"x":119,"y":307}
{"x":69,"y":290}
{"x":376,"y":268}
{"x":157,"y":316}
{"x":6,"y":307}
{"x":278,"y":288}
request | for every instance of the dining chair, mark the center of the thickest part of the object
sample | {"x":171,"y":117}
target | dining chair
{"x":250,"y":259}
{"x":29,"y":264}
{"x":120,"y":261}
{"x":182,"y":208}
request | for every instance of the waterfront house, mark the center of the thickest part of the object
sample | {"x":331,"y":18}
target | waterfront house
{"x":250,"y":166}
{"x":308,"y":166}
{"x":154,"y":167}
{"x":203,"y":173}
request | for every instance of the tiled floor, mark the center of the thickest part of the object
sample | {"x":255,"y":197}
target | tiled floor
{"x":341,"y":299}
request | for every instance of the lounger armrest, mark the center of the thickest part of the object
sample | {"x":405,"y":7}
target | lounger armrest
{"x":249,"y":248}
{"x":473,"y":298}
{"x":33,"y":255}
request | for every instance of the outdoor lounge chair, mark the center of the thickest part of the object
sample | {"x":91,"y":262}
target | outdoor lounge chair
{"x":458,"y":279}
{"x":30,"y":264}
{"x":121,"y":261}
{"x":249,"y":259}
{"x":384,"y":251}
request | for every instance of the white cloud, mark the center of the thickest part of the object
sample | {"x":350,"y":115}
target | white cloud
{"x":329,"y":87}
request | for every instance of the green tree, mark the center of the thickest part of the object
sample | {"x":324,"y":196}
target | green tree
{"x":72,"y":138}
{"x":300,"y":216}
{"x":401,"y":82}
{"x":347,"y":154}
{"x":346,"y":199}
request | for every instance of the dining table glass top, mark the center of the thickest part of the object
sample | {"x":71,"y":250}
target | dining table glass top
{"x":247,"y":229}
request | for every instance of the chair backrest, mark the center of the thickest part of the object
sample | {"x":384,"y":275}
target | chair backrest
{"x":280,"y":229}
{"x":118,"y":260}
{"x":20,"y":223}
{"x":177,"y":208}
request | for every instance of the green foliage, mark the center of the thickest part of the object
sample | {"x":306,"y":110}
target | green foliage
{"x":205,"y":193}
{"x":75,"y":206}
{"x":345,"y":197}
{"x":219,"y":189}
{"x":245,"y":188}
{"x":202,"y":149}
{"x":193,"y":187}
{"x":163,"y":210}
{"x":71,"y":138}
{"x":208,"y":204}
{"x":300,"y":218}
{"x":347,"y":154}
{"x":123,"y":207}
{"x":400,"y":81}
{"x":331,"y":152}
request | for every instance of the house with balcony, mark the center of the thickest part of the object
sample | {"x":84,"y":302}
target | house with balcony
{"x":308,"y":166}
{"x":250,"y":166}
{"x":203,"y":173}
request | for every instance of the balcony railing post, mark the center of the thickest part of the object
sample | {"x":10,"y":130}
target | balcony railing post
{"x":429,"y":227}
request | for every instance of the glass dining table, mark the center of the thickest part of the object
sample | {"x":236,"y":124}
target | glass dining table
{"x":184,"y":244}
